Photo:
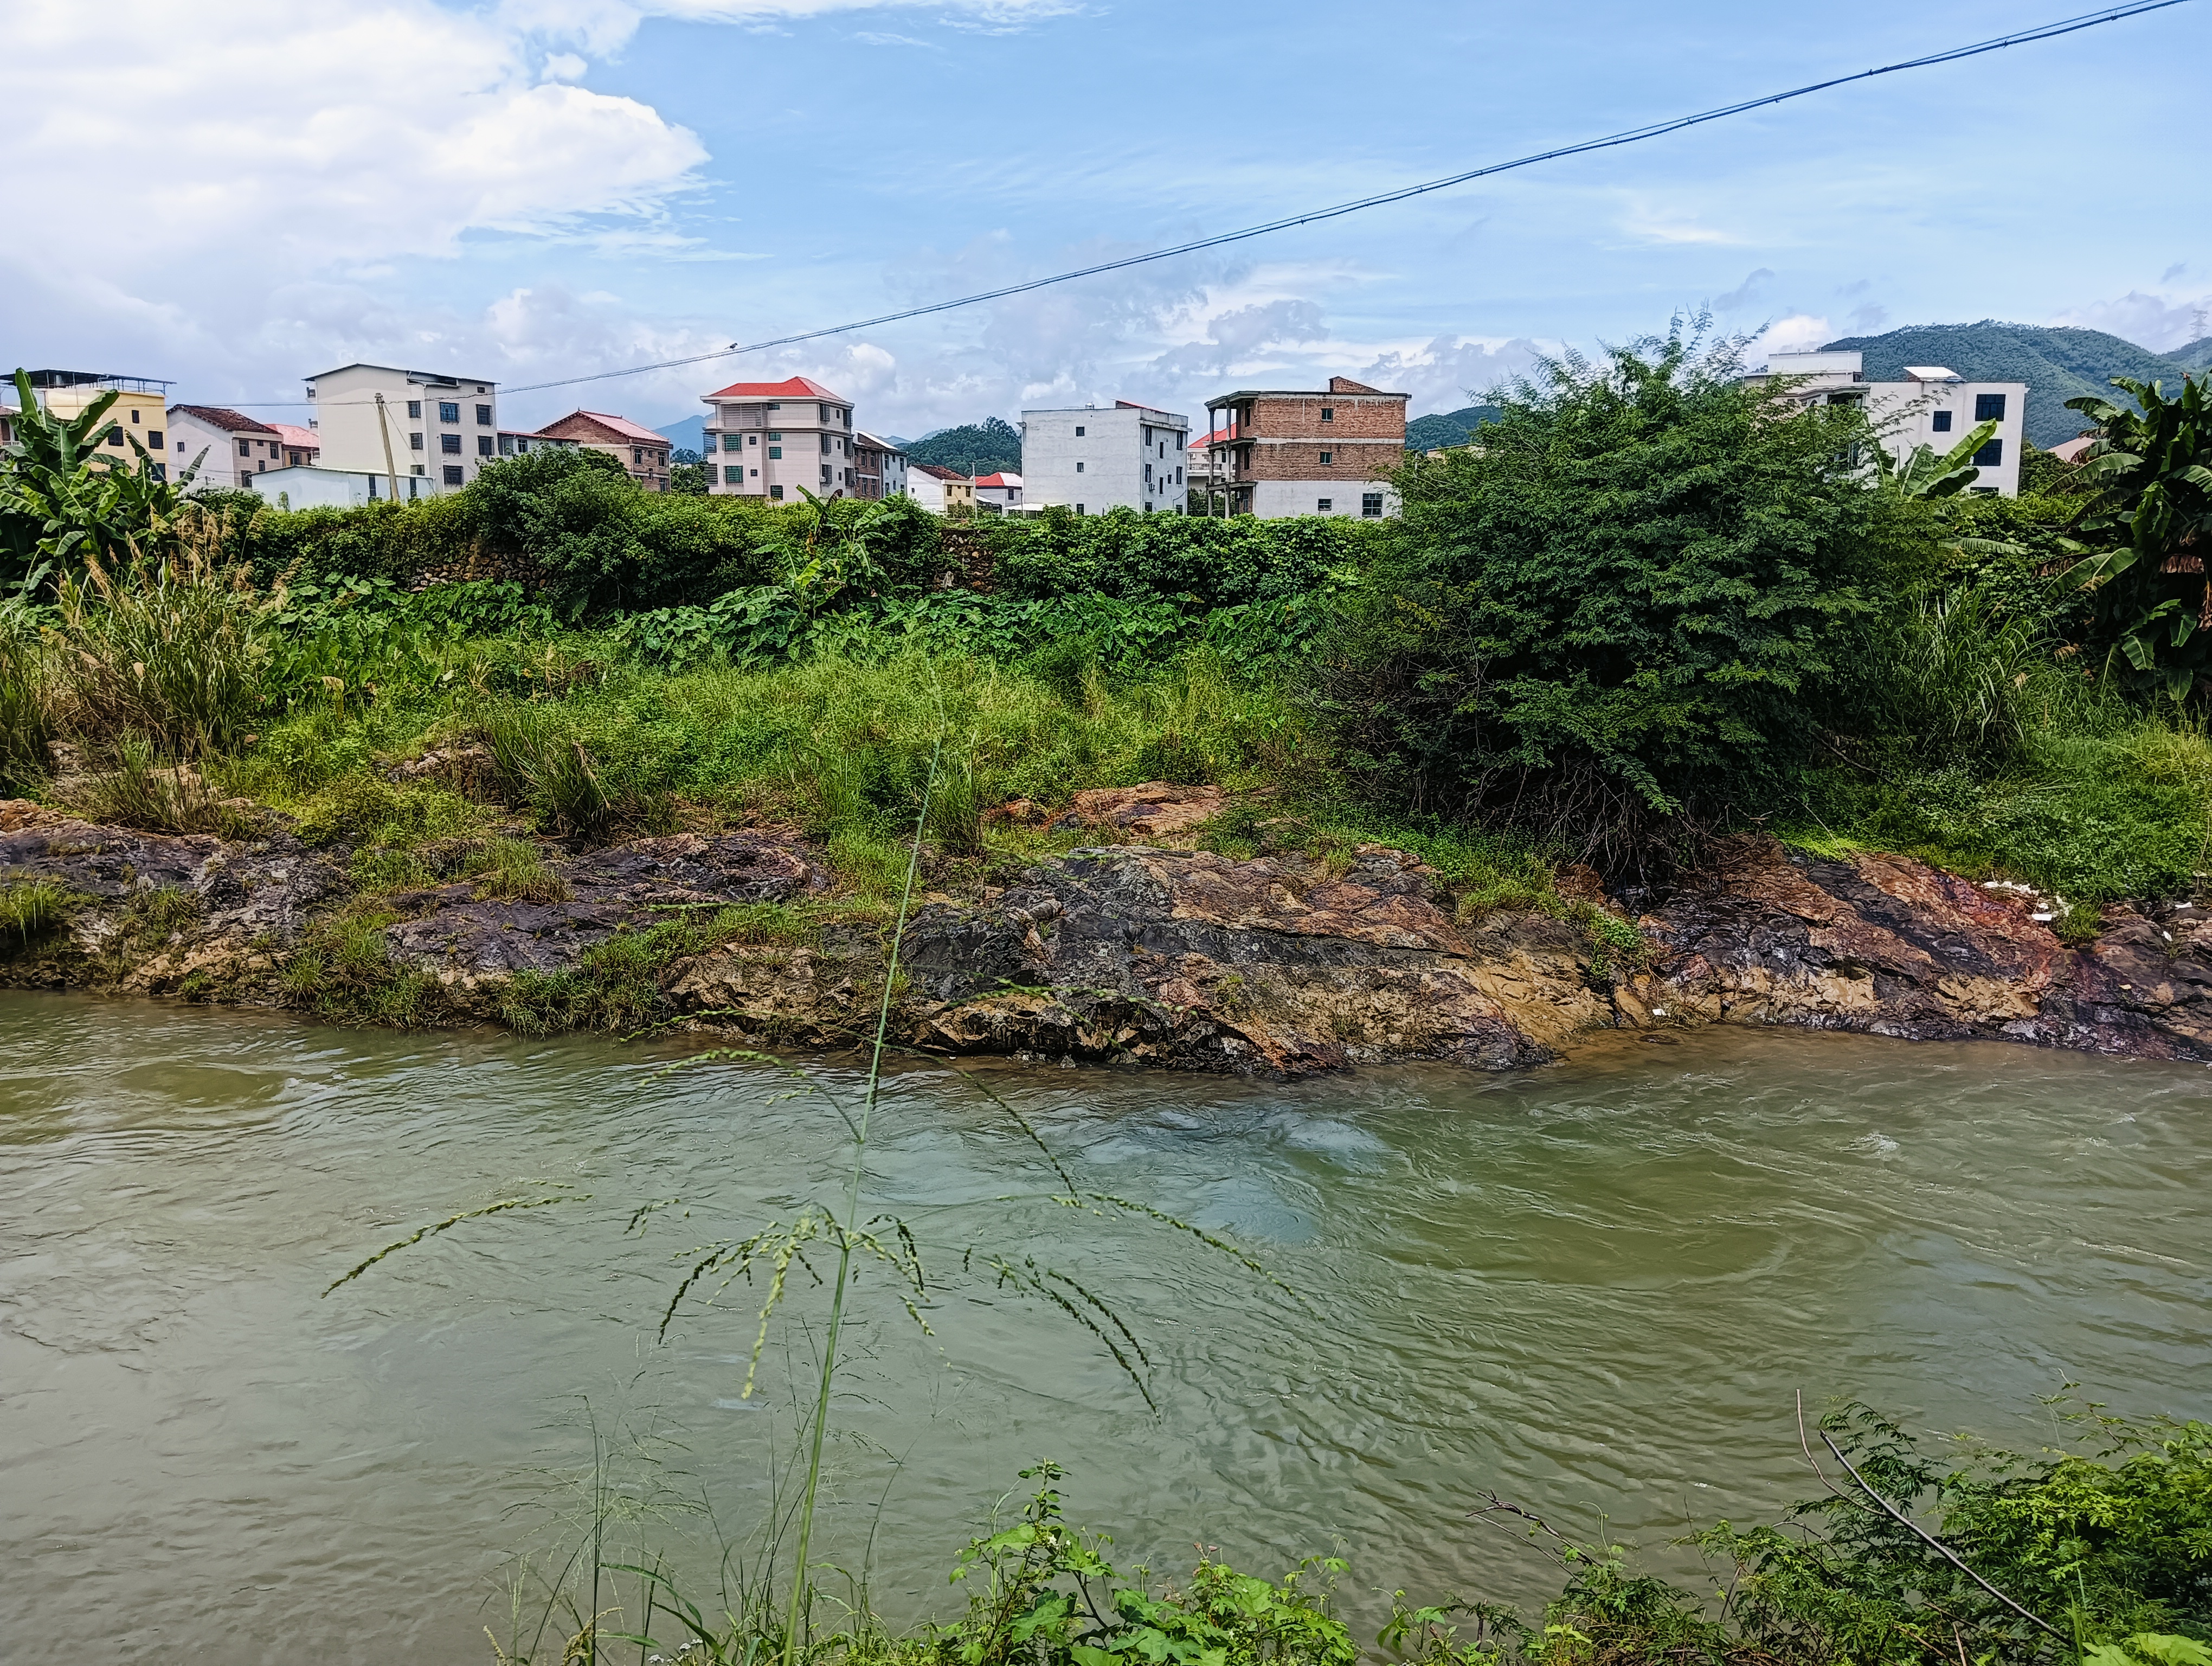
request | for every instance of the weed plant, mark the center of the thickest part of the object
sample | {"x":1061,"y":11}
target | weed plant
{"x":171,"y":651}
{"x":30,"y":909}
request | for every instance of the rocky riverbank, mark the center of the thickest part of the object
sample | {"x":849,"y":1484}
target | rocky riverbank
{"x":1136,"y":952}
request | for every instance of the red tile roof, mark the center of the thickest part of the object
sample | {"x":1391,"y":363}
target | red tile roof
{"x":620,"y":427}
{"x":217,"y":416}
{"x":798,"y":387}
{"x":1011,"y":481}
{"x":298,"y":439}
{"x":935,"y":472}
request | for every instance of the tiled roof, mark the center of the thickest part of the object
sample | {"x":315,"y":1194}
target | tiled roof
{"x":217,"y":416}
{"x":798,"y":387}
{"x":299,"y":439}
{"x":1013,"y":480}
{"x":620,"y":427}
{"x":935,"y":472}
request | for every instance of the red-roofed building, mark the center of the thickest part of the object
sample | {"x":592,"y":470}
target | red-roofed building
{"x":769,"y":438}
{"x":1003,"y":489}
{"x":639,"y":450}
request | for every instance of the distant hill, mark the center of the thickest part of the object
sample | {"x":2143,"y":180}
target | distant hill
{"x":2058,"y":364}
{"x":690,"y":435}
{"x":2198,"y":355}
{"x":1451,"y":429}
{"x":989,"y":447}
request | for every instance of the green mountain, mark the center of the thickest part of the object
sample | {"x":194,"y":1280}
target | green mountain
{"x":990,"y":446}
{"x":1451,"y":429}
{"x":2058,"y":364}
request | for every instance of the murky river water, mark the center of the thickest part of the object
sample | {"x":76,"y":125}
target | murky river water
{"x":1593,"y":1287}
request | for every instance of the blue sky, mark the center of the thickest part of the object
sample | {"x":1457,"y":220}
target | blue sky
{"x":547,"y":188}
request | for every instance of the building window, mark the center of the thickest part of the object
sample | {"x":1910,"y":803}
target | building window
{"x":484,"y":415}
{"x":1370,"y":505}
{"x":449,"y":410}
{"x":414,"y":442}
{"x":245,"y":447}
{"x":159,"y":470}
{"x":734,"y":474}
{"x":1079,"y":468}
{"x":483,"y":444}
{"x":450,"y":444}
{"x":775,"y":405}
{"x":1079,"y":430}
{"x":1322,"y":506}
{"x":1178,"y":476}
{"x":637,"y":457}
{"x":1327,"y":458}
{"x":826,"y":472}
{"x":452,"y":474}
{"x":154,"y":438}
{"x":752,"y":439}
{"x":506,"y":445}
{"x":773,"y":435}
{"x":415,"y":409}
{"x":822,"y":413}
{"x":776,"y":492}
{"x":1990,"y":456}
{"x":775,"y":454}
{"x":1989,"y":407}
{"x":416,"y":468}
{"x":1328,"y":413}
{"x":1078,"y":508}
{"x":1940,"y":422}
{"x":755,"y":474}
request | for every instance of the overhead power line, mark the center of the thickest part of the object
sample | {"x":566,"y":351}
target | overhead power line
{"x":1631,"y":136}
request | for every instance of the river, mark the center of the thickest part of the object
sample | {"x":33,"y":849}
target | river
{"x":1593,"y":1287}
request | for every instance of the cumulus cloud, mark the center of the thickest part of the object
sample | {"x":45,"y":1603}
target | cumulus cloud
{"x":2161,"y":318}
{"x":1799,"y":333}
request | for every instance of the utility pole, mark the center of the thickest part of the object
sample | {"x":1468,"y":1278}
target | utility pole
{"x":391,"y":470}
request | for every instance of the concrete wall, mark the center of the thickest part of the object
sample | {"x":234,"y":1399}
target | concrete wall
{"x":1125,"y":457}
{"x":308,"y":488}
{"x":1277,"y":500}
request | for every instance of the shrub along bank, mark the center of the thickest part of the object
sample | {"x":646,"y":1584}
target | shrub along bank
{"x":1650,"y":607}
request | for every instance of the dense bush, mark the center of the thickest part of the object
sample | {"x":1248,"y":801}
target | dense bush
{"x":1212,"y":562}
{"x":1620,"y":604}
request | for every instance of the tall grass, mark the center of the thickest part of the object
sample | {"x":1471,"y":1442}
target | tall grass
{"x":171,"y":650}
{"x":27,"y":714}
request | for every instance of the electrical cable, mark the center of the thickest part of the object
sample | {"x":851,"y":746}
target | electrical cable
{"x":1632,"y":135}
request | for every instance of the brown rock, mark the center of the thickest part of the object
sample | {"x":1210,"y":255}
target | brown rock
{"x":1155,"y":810}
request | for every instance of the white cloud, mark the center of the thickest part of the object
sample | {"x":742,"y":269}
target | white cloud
{"x":2162,"y":319}
{"x":1799,"y":333}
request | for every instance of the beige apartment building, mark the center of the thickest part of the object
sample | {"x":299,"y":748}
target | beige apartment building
{"x":1931,"y":406}
{"x":770,"y":439}
{"x":1279,"y":451}
{"x":141,"y":410}
{"x":433,"y":429}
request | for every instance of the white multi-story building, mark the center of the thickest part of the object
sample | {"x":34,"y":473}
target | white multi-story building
{"x":1932,"y":407}
{"x":1100,"y":458}
{"x":229,"y":447}
{"x":769,"y":438}
{"x":374,"y":419}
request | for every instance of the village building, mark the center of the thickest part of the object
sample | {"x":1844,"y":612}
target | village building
{"x":642,"y":454}
{"x":1278,"y":452}
{"x":403,"y":425}
{"x":513,"y":443}
{"x":1098,"y":458}
{"x":140,"y":410}
{"x":940,"y":490}
{"x":772,"y":439}
{"x":224,"y":447}
{"x":879,"y":466}
{"x":1001,"y":491}
{"x":1932,"y":406}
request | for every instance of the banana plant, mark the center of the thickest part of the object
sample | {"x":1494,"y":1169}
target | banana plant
{"x":65,"y":501}
{"x":1922,"y":473}
{"x":2149,"y":528}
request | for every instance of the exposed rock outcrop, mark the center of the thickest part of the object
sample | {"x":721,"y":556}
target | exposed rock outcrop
{"x":628,"y":887}
{"x":1144,"y":953}
{"x":1891,"y":946}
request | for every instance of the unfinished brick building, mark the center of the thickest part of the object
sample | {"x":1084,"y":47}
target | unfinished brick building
{"x":1277,"y":452}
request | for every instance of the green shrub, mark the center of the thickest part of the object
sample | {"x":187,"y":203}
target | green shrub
{"x":32,"y":908}
{"x":26,"y":706}
{"x":1620,"y":604}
